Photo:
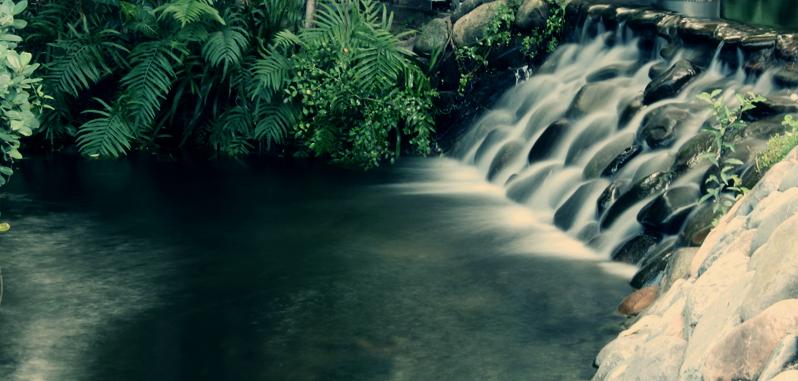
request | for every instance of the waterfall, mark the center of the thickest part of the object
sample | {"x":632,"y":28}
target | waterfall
{"x":568,"y":142}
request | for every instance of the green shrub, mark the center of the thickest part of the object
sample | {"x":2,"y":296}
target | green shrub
{"x":725,"y":187}
{"x":779,"y":146}
{"x":21,"y":95}
{"x":542,"y":42}
{"x":352,"y":92}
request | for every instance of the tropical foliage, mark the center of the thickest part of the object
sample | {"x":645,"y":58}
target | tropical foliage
{"x":235,"y":77}
{"x":21,"y":95}
{"x":353,"y":93}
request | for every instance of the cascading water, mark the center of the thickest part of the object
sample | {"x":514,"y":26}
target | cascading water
{"x":570,"y":144}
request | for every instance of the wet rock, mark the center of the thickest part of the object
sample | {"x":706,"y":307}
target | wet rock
{"x":634,"y":249}
{"x":688,"y":155}
{"x":657,"y":70}
{"x":610,"y":195}
{"x":506,"y":155}
{"x":619,"y":161}
{"x":588,"y":232}
{"x":654,"y":263}
{"x":765,"y":128}
{"x":532,"y":14}
{"x":698,"y":31}
{"x":607,"y":155}
{"x":774,"y":105}
{"x":491,"y":140}
{"x":784,"y":357}
{"x":521,"y":189}
{"x":648,"y":186}
{"x":787,"y":77}
{"x":670,"y":83}
{"x":758,"y":42}
{"x":638,"y":301}
{"x":607,"y":72}
{"x":598,"y":129}
{"x":548,"y":140}
{"x":698,"y":225}
{"x":470,"y":28}
{"x":787,"y":47}
{"x":668,"y":52}
{"x":667,"y":212}
{"x":434,"y":37}
{"x":743,"y":352}
{"x":659,"y":126}
{"x":630,"y":111}
{"x":568,"y":211}
{"x":592,"y":97}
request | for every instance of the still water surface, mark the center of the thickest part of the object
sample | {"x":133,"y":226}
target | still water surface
{"x":146,"y":270}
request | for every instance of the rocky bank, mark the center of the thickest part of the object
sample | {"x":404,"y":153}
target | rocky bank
{"x":729,"y":309}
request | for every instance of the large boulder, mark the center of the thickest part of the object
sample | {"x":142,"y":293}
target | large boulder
{"x":667,"y":212}
{"x":433,"y":37}
{"x":743,"y":353}
{"x":775,"y":105}
{"x":465,"y":7}
{"x":671,"y":82}
{"x":532,"y":14}
{"x":470,"y":29}
{"x":775,"y":264}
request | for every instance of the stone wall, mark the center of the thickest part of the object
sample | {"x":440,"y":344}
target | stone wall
{"x":728,"y":310}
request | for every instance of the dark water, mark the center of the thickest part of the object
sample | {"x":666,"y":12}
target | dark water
{"x":140,"y":270}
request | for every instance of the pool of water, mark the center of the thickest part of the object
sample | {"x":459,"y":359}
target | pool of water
{"x":148,"y":270}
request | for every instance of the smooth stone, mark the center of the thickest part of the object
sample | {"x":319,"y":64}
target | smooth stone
{"x":659,"y":127}
{"x":591,"y":97}
{"x":630,"y":111}
{"x":688,"y":155}
{"x":469,"y":29}
{"x":532,"y":14}
{"x":610,"y":195}
{"x":506,"y":155}
{"x":433,"y":37}
{"x":775,"y":105}
{"x":670,"y":83}
{"x":638,"y":301}
{"x":491,"y":140}
{"x":634,"y":249}
{"x":648,"y":186}
{"x":607,"y":155}
{"x":667,"y":212}
{"x":678,"y":267}
{"x":744,"y":351}
{"x":785,"y":356}
{"x":465,"y":7}
{"x":568,"y":211}
{"x":548,"y":140}
{"x":653,"y":263}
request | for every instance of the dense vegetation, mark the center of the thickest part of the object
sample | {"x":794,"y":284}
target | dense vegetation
{"x":231,"y":77}
{"x":21,"y":96}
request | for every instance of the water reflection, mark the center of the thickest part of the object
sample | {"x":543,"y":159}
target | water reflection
{"x":781,"y":14}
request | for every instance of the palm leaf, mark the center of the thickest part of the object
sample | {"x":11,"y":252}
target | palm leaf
{"x":107,"y":135}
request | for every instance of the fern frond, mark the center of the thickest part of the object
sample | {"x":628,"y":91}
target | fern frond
{"x":231,"y":132}
{"x":107,"y":135}
{"x":274,"y":122}
{"x":150,"y":79}
{"x":226,"y":47}
{"x":82,"y":59}
{"x":189,"y":11}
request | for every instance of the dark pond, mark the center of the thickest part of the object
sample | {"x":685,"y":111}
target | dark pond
{"x":145,"y":270}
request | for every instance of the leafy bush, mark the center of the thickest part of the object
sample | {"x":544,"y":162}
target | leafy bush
{"x":21,"y":94}
{"x":779,"y":146}
{"x":473,"y":59}
{"x":725,"y":187}
{"x":352,"y":90}
{"x":546,"y":41}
